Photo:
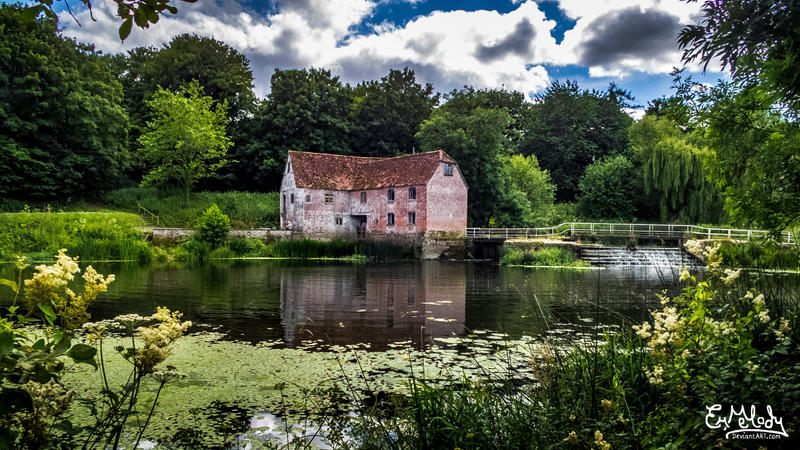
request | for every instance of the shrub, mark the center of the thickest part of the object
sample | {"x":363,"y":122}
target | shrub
{"x":241,"y":246}
{"x":213,"y":227}
{"x":606,"y":189}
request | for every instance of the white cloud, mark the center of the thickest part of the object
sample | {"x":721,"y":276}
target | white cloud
{"x":485,"y":49}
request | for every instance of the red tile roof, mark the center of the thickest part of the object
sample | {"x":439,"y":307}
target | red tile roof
{"x":352,"y":173}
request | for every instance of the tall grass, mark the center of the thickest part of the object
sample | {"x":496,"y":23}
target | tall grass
{"x":307,"y":248}
{"x":174,"y":209}
{"x":765,"y":255}
{"x":551,"y":256}
{"x":92,"y":236}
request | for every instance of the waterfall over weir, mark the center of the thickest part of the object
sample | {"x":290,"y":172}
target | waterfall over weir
{"x":645,"y":256}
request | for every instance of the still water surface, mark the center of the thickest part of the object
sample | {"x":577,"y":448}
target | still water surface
{"x":378,"y":303}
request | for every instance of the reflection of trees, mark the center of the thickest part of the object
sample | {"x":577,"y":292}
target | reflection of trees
{"x":608,"y":296}
{"x":375,"y":304}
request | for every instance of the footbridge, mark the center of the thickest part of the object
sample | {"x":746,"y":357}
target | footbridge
{"x":631,"y":230}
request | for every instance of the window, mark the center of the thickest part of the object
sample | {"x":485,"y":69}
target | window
{"x":291,"y":198}
{"x":412,"y":218}
{"x":328,"y":198}
{"x":390,"y":219}
{"x":412,"y":193}
{"x":283,"y":209}
{"x":390,"y":195}
{"x":363,"y":196}
{"x":288,"y":167}
{"x":338,"y":220}
{"x":308,"y":198}
{"x":448,"y":169}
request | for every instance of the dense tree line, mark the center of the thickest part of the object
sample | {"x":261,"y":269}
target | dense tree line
{"x":74,"y":123}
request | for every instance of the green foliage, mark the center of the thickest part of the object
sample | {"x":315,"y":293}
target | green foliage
{"x":173,"y":209}
{"x":220,"y":70}
{"x":307,"y":248}
{"x":306,"y":110}
{"x":213,"y":226}
{"x":387,"y":113}
{"x":755,"y":159}
{"x":607,"y":189}
{"x":758,"y":41}
{"x":62,"y":126}
{"x":465,"y":101}
{"x":561,"y":213}
{"x":140,"y":12}
{"x":569,"y":128}
{"x":551,"y":256}
{"x":760,"y":255}
{"x":96,"y":236}
{"x":186,"y":138}
{"x":476,"y":140}
{"x":249,"y":247}
{"x":674,"y":172}
{"x":523,"y":174}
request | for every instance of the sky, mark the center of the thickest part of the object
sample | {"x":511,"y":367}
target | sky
{"x":521,"y":45}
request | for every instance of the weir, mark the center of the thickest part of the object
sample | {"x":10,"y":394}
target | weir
{"x":643,"y":256}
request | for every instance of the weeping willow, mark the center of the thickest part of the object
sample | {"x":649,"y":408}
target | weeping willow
{"x":674,"y":171}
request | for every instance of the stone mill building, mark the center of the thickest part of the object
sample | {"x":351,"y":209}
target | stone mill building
{"x":419,"y":195}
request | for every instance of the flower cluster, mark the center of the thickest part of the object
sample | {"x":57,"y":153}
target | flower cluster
{"x":665,"y":329}
{"x":599,"y":442}
{"x":705,"y":250}
{"x":157,"y":339}
{"x":48,"y":286}
{"x":731,"y":276}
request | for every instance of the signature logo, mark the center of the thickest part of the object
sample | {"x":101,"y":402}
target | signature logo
{"x":744,"y":424}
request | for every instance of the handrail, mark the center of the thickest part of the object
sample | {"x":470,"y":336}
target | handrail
{"x":142,"y":208}
{"x":626,"y":229}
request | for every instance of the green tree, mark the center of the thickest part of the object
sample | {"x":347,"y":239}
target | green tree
{"x":387,"y":113}
{"x":62,"y":122}
{"x":674,"y":173}
{"x":186,"y":139}
{"x":222,"y":72}
{"x":307,"y":110}
{"x":757,"y":40}
{"x":606,"y":189}
{"x":524,"y":175}
{"x":755,"y":161}
{"x":465,"y":100}
{"x":569,"y":128}
{"x":477,"y":142}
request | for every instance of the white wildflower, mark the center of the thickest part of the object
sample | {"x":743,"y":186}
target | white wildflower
{"x":731,"y":276}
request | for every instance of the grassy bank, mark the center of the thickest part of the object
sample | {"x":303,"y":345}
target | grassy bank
{"x":551,"y":256}
{"x":195,"y":251}
{"x":175,"y":209}
{"x":93,"y":236}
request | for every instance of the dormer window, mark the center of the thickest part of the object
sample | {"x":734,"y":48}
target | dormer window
{"x":448,"y":170}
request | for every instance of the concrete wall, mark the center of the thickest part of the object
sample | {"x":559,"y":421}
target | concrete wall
{"x":447,"y":202}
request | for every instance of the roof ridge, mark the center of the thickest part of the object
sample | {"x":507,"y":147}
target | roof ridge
{"x":375,"y":158}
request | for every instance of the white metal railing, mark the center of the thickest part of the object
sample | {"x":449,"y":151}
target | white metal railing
{"x":625,"y":229}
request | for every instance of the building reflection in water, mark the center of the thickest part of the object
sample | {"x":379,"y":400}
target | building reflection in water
{"x":373,"y":304}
